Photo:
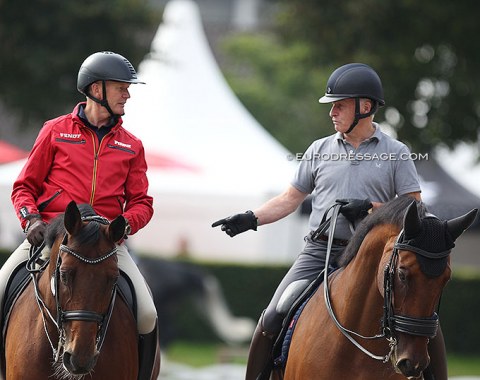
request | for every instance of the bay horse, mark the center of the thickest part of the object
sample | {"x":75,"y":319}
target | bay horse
{"x":69,"y":323}
{"x":373,"y":317}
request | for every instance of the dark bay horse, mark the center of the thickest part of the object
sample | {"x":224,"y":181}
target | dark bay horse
{"x":69,"y":322}
{"x":374,"y":316}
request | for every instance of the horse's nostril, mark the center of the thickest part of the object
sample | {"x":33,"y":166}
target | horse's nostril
{"x":67,"y":362}
{"x":408,"y":368}
{"x":67,"y":358}
{"x":75,"y":367}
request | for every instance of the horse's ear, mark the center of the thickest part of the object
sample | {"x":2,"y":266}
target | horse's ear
{"x":458,"y":225}
{"x":72,"y":219}
{"x":412,"y":225}
{"x":116,"y":229}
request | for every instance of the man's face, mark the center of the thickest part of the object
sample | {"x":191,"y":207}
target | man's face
{"x":342,"y":114}
{"x":117,"y":96}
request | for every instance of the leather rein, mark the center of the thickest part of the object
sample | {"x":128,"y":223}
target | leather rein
{"x":63,"y":316}
{"x":391,"y":323}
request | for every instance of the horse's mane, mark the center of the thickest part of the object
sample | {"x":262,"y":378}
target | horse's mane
{"x":391,"y":212}
{"x":88,"y":235}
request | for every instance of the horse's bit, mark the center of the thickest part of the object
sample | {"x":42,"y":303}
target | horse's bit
{"x":391,"y":323}
{"x":102,"y":320}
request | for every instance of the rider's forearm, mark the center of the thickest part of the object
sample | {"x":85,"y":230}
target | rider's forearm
{"x":279,"y":206}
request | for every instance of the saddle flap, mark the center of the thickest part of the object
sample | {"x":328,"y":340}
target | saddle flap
{"x":127,"y":292}
{"x":16,"y":284}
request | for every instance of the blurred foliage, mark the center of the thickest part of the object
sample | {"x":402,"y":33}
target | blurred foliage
{"x":428,"y":66}
{"x":249,"y":288}
{"x":420,"y":49}
{"x":44,"y":42}
{"x":280,"y":86}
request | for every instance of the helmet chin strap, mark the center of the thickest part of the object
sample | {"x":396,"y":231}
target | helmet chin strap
{"x":104,"y":102}
{"x":359,"y":115}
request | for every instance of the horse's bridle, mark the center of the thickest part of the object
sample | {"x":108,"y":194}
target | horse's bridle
{"x":63,"y":316}
{"x":391,"y":323}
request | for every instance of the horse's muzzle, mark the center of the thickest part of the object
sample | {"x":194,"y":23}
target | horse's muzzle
{"x":76,"y":366}
{"x":409,"y":369}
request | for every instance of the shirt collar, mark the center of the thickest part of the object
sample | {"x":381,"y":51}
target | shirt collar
{"x":377,"y":135}
{"x":81,"y":115}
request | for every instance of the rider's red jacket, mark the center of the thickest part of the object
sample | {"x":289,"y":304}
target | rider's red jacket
{"x":68,"y":162}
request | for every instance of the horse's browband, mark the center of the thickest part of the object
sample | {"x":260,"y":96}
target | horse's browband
{"x":421,"y":252}
{"x":96,"y":218}
{"x":64,"y":248}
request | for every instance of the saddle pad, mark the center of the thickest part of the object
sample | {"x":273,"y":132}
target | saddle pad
{"x":282,"y":344}
{"x":127,"y":292}
{"x":281,"y":360}
{"x":17,"y":282}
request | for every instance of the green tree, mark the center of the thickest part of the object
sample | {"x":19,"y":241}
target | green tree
{"x":279,"y":86}
{"x":44,"y":42}
{"x":421,"y":49}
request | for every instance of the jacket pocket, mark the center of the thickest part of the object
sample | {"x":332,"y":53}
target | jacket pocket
{"x":42,"y":206}
{"x":76,"y":142}
{"x":123,"y":149}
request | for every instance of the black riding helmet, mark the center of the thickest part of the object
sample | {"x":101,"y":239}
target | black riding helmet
{"x":104,"y":66}
{"x":355,"y":80}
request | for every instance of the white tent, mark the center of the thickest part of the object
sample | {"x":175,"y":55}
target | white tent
{"x":10,"y":232}
{"x":208,"y":157}
{"x":231,"y":164}
{"x":462,"y":163}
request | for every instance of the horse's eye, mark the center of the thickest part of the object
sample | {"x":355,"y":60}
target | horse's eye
{"x":64,"y":277}
{"x":402,"y":275}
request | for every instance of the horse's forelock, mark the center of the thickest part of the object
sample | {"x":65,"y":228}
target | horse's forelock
{"x":88,"y":235}
{"x":55,"y":229}
{"x":391,"y":212}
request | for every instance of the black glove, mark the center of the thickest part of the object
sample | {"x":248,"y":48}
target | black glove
{"x":354,"y":209}
{"x":36,"y":232}
{"x":128,"y":229}
{"x":236,"y":224}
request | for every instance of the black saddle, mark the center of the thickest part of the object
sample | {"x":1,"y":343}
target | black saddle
{"x":282,"y":343}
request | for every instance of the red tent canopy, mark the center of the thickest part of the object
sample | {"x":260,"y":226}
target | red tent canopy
{"x":9,"y":153}
{"x":165,"y":162}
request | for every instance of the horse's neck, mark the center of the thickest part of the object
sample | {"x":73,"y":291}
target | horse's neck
{"x":374,"y":251}
{"x":358,"y":285}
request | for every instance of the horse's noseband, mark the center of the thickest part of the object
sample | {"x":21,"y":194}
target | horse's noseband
{"x":84,"y":315}
{"x":102,"y":320}
{"x":392,"y":323}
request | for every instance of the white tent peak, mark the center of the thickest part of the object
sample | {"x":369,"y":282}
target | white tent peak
{"x":187,"y":111}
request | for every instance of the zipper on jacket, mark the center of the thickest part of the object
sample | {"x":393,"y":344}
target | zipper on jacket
{"x":58,"y":139}
{"x":96,"y":151}
{"x":121,"y":148}
{"x":42,"y":206}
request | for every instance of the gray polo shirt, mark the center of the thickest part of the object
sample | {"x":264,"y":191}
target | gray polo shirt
{"x":379,"y":169}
